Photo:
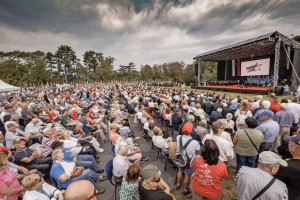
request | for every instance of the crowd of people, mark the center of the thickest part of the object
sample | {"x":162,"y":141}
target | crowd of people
{"x":51,"y":141}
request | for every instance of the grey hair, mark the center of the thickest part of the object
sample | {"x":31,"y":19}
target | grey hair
{"x":55,"y":153}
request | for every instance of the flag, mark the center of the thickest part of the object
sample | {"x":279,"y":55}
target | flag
{"x":233,"y":68}
{"x":238,"y":67}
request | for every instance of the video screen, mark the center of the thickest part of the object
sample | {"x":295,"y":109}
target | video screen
{"x":255,"y":67}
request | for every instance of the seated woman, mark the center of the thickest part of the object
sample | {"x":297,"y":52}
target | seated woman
{"x":18,"y":170}
{"x":37,"y":189}
{"x":152,"y":186}
{"x":206,"y":182}
{"x":9,"y":184}
{"x":114,"y":135}
{"x":130,"y":183}
{"x":64,"y":173}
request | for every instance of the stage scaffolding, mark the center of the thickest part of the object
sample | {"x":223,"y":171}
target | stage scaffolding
{"x":263,"y":46}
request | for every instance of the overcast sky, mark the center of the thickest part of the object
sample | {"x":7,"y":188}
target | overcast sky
{"x":141,"y":31}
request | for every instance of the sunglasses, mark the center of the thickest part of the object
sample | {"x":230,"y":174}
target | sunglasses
{"x":93,"y":195}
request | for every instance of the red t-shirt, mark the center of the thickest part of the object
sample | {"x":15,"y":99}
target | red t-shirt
{"x":74,"y":115}
{"x":207,"y":178}
{"x":51,"y":115}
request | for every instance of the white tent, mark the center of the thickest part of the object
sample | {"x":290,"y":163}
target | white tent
{"x":4,"y":87}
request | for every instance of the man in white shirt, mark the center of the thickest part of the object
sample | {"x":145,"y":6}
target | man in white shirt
{"x":120,"y":164}
{"x":159,"y":141}
{"x":33,"y":128}
{"x":294,"y":106}
{"x":134,"y":153}
{"x":225,"y":148}
{"x":256,"y":104}
{"x":7,"y":111}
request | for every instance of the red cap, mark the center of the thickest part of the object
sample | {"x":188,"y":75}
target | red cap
{"x":187,"y":128}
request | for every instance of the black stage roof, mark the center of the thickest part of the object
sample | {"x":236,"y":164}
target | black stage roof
{"x":256,"y":47}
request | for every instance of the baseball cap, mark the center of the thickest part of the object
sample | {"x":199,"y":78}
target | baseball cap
{"x":187,"y":128}
{"x":267,"y":113}
{"x":124,"y":131}
{"x":295,"y":139}
{"x":18,"y":140}
{"x":149,"y":171}
{"x":268,"y":157}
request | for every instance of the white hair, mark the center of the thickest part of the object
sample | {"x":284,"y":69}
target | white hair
{"x":266,"y":104}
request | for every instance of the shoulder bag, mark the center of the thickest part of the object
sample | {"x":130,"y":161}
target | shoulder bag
{"x":264,"y":189}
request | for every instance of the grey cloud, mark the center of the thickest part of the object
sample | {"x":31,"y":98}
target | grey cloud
{"x":66,"y":16}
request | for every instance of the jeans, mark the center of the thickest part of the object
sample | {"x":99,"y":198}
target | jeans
{"x":87,"y":161}
{"x":43,"y":165}
{"x":89,"y":175}
{"x":241,"y":160}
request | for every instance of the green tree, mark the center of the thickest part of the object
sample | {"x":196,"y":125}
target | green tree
{"x":106,"y":68}
{"x":297,"y":38}
{"x":128,"y":72}
{"x":92,"y":59}
{"x":147,"y":72}
{"x":67,"y":57}
{"x":50,"y":63}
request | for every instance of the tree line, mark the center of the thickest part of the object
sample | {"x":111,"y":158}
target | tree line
{"x":20,"y":67}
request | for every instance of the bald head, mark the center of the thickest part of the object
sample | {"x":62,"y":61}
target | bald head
{"x":79,"y":190}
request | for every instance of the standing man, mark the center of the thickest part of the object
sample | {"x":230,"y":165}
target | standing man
{"x":290,"y":174}
{"x":190,"y":150}
{"x":270,"y":130}
{"x":251,"y":181}
{"x":285,"y":118}
{"x":294,"y":106}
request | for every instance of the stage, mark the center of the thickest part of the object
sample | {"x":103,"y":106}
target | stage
{"x":235,"y":88}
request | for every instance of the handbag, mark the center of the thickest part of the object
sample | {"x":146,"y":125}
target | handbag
{"x":77,"y":172}
{"x":264,"y":189}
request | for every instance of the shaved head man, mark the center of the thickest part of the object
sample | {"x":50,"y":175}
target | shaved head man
{"x":80,"y":190}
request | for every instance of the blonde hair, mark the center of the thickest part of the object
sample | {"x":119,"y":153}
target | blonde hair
{"x":224,"y":122}
{"x":190,"y":118}
{"x":114,"y":126}
{"x":244,"y":104}
{"x":29,"y":181}
{"x":146,"y":182}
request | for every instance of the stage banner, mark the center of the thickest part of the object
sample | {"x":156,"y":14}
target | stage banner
{"x":238,"y":64}
{"x":233,"y":68}
{"x":255,"y":67}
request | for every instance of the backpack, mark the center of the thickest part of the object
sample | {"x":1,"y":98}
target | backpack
{"x":242,"y":116}
{"x":181,"y":157}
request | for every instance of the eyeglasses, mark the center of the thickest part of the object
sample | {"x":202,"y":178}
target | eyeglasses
{"x":157,"y":181}
{"x":94,"y":194}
